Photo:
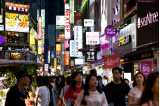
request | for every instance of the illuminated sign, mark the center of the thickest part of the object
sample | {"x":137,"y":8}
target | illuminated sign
{"x":79,"y":61}
{"x":73,"y":50}
{"x":16,"y":22}
{"x":66,"y":58}
{"x":67,"y":22}
{"x":123,"y":40}
{"x":39,"y":35}
{"x":60,"y":20}
{"x":1,"y":18}
{"x":43,"y":17}
{"x":92,"y":38}
{"x":150,"y":18}
{"x":32,"y":36}
{"x":2,"y":40}
{"x":110,"y":31}
{"x":17,"y":7}
{"x":88,"y":22}
{"x":78,"y":36}
{"x":1,"y":27}
{"x":72,"y":11}
{"x":40,"y":46}
{"x":58,"y":48}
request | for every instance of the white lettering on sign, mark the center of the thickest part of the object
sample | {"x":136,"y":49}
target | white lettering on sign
{"x":67,"y":22}
{"x":148,"y":19}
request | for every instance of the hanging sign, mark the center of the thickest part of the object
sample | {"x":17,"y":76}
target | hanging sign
{"x":110,"y":31}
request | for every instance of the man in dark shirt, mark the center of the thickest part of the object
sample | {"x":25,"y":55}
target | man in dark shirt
{"x":117,"y":89}
{"x":17,"y":94}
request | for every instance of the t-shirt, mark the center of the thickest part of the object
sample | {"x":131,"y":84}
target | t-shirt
{"x":15,"y":98}
{"x":43,"y":94}
{"x":136,"y":94}
{"x":93,"y":99}
{"x":116,"y":93}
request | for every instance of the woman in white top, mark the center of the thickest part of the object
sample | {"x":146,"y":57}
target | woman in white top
{"x":91,"y":96}
{"x":135,"y":93}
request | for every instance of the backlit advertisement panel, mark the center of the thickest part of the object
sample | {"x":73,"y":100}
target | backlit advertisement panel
{"x":66,"y":58}
{"x":67,"y":22}
{"x":78,"y":36}
{"x":73,"y":50}
{"x":92,"y":38}
{"x":16,"y":22}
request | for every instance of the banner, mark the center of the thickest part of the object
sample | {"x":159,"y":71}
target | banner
{"x":111,"y":61}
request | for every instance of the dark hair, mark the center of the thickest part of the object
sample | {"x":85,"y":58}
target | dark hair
{"x":68,"y":80}
{"x":117,"y":68}
{"x":134,"y":80}
{"x":93,"y":71}
{"x":73,"y":81}
{"x":23,"y":74}
{"x":147,"y":93}
{"x":86,"y":88}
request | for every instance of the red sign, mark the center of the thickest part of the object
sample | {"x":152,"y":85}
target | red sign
{"x":111,"y":61}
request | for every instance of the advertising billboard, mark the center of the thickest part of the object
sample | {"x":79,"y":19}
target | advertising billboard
{"x":16,"y":22}
{"x":147,"y":23}
{"x":92,"y":38}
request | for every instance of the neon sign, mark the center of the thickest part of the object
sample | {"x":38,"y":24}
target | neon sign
{"x":150,"y":18}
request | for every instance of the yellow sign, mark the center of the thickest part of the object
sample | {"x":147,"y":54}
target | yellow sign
{"x":16,"y":22}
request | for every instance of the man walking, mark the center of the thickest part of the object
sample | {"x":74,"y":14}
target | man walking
{"x":117,"y":89}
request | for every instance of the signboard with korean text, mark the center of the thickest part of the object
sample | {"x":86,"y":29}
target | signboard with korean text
{"x":92,"y":38}
{"x":79,"y":61}
{"x":73,"y":50}
{"x":88,"y":22}
{"x":78,"y":36}
{"x":67,"y":22}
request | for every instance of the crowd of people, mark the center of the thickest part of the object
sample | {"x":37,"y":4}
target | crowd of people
{"x":89,"y":90}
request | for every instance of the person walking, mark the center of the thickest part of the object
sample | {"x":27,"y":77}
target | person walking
{"x":42,"y":93}
{"x":18,"y":93}
{"x":74,"y":90}
{"x":117,"y":90}
{"x":135,"y":93}
{"x":91,"y":96}
{"x":150,"y":95}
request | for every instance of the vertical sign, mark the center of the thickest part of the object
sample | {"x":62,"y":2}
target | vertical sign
{"x":66,"y":58}
{"x":73,"y":50}
{"x":72,"y":11}
{"x":43,"y":17}
{"x":78,"y":36}
{"x":39,"y":35}
{"x":67,"y":22}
